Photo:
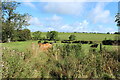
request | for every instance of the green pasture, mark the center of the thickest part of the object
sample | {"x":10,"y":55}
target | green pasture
{"x":19,"y":46}
{"x":83,"y":36}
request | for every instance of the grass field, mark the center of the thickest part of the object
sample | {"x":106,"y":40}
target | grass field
{"x":84,"y":36}
{"x":24,"y":45}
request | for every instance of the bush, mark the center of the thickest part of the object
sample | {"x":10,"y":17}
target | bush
{"x":72,"y":37}
{"x":37,"y":35}
{"x":22,"y":35}
{"x":61,"y":61}
{"x":108,"y":32}
{"x":52,"y":35}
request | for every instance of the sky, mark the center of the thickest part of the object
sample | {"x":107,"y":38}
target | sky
{"x":71,"y":16}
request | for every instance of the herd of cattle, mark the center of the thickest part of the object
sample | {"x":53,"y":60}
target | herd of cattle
{"x":46,"y":45}
{"x":104,"y":42}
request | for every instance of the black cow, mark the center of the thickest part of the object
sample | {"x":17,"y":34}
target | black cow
{"x":117,"y":42}
{"x":107,"y":42}
{"x":65,"y":41}
{"x":52,"y":42}
{"x":45,"y":42}
{"x":90,"y":42}
{"x":76,"y":42}
{"x":94,"y":46}
{"x":84,"y":42}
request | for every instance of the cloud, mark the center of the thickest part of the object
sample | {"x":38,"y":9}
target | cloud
{"x":54,"y":18}
{"x":64,"y":8}
{"x":103,"y":29}
{"x":100,"y":15}
{"x":75,"y":27}
{"x":30,"y":4}
{"x":64,"y":0}
{"x":35,"y":21}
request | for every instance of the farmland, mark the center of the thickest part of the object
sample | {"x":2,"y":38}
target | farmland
{"x":30,"y":62}
{"x":37,"y":43}
{"x":84,"y":36}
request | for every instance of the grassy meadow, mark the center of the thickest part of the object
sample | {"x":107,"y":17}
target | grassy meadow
{"x":25,"y":59}
{"x":84,"y":36}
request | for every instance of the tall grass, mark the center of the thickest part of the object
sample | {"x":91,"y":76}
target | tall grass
{"x":61,"y":61}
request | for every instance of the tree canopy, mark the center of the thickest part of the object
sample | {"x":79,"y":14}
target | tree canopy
{"x":52,"y":35}
{"x":37,"y":35}
{"x":117,"y":19}
{"x":12,"y":20}
{"x":72,"y":37}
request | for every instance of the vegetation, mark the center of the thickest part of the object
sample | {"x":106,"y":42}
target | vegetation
{"x":12,"y":21}
{"x":61,"y":61}
{"x":52,"y":35}
{"x":117,"y":19}
{"x":37,"y":35}
{"x":83,"y":36}
{"x":71,"y":55}
{"x":72,"y":37}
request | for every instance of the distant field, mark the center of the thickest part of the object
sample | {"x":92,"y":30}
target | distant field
{"x":84,"y":36}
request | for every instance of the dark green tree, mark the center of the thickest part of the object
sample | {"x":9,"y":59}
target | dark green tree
{"x":52,"y":35}
{"x":23,"y":35}
{"x":37,"y":35}
{"x":12,"y":20}
{"x":108,"y":32}
{"x":72,"y":37}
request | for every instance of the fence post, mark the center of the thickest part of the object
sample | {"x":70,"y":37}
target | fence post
{"x":100,"y":47}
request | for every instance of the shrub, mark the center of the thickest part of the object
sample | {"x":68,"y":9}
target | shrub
{"x":22,"y":35}
{"x":72,"y":37}
{"x":37,"y":35}
{"x":52,"y":35}
{"x":61,"y":61}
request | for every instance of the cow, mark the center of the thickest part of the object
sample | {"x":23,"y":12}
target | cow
{"x":94,"y":46}
{"x":76,"y":42}
{"x":65,"y":41}
{"x":44,"y":46}
{"x":84,"y":42}
{"x":90,"y":42}
{"x":107,"y":42}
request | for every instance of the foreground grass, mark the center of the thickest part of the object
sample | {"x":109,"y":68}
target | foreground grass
{"x":62,"y":61}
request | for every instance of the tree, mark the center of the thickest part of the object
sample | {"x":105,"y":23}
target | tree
{"x":72,"y":37}
{"x":12,"y":20}
{"x":37,"y":35}
{"x":22,"y":35}
{"x":117,"y":33}
{"x":108,"y":32}
{"x":52,"y":35}
{"x":117,"y":19}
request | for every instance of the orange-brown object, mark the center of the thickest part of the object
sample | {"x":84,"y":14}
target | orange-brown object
{"x":44,"y":47}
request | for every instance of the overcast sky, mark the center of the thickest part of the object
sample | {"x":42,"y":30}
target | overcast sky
{"x":71,"y":16}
